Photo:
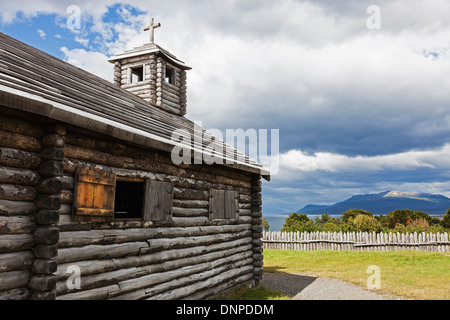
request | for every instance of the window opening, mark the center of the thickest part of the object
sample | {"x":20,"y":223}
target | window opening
{"x":137,"y":74}
{"x":129,"y":200}
{"x":170,"y":75}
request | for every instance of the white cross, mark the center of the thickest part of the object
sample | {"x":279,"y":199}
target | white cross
{"x":152,"y":28}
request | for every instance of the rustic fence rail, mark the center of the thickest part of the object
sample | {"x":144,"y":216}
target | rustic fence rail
{"x":356,"y":241}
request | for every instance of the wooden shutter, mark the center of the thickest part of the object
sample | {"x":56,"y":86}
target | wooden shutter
{"x":223,"y":204}
{"x":231,"y":204}
{"x":158,"y":200}
{"x":94,"y":196}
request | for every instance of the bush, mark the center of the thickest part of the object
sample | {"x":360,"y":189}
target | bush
{"x":331,"y":226}
{"x":294,"y":222}
{"x":399,"y":217}
{"x":351,"y":214}
{"x":446,"y":220}
{"x":265,"y":224}
{"x":366,"y":223}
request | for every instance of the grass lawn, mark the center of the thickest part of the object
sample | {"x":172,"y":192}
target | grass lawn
{"x":408,"y":274}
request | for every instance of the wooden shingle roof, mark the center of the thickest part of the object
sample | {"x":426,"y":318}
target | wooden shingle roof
{"x":36,"y":82}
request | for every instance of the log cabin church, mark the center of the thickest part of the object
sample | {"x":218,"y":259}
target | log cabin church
{"x":92,"y":205}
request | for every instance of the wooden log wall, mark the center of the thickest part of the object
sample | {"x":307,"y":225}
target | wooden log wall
{"x":20,"y":159}
{"x":190,"y":256}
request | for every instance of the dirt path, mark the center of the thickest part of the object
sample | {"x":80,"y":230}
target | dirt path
{"x":303,"y":287}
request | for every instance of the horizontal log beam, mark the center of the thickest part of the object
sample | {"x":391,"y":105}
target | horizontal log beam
{"x":19,"y":159}
{"x":18,"y":125}
{"x":10,"y":208}
{"x":190,"y":212}
{"x":16,"y":261}
{"x":16,"y":242}
{"x":17,"y":224}
{"x":233,"y":273}
{"x":105,"y":236}
{"x":190,"y":203}
{"x":14,"y":279}
{"x":19,"y":141}
{"x":134,"y":271}
{"x":91,"y":267}
{"x":18,"y":176}
{"x":16,"y":294}
{"x":153,"y":279}
{"x":17,"y":192}
{"x":93,"y":252}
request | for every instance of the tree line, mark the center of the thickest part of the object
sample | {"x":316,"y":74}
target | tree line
{"x":401,"y":220}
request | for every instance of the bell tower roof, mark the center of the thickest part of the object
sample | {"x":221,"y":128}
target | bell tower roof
{"x":150,"y":48}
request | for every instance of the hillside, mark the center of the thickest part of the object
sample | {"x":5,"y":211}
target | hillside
{"x":385,"y":202}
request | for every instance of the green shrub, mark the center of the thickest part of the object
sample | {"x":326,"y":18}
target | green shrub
{"x":366,"y":223}
{"x":350,"y":214}
{"x":445,"y":222}
{"x":331,"y":226}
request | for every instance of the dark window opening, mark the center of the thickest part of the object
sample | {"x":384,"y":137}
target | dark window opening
{"x":137,"y":74}
{"x":129,"y":200}
{"x":170,"y":75}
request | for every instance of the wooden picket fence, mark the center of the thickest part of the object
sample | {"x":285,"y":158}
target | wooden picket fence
{"x":356,"y":241}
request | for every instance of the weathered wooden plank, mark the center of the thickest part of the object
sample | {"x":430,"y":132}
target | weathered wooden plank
{"x":18,"y":176}
{"x":16,"y":261}
{"x":198,"y":286}
{"x":16,"y":242}
{"x":153,"y":279}
{"x":93,"y":252}
{"x":231,"y":204}
{"x":135,"y":271}
{"x":90,"y":267}
{"x":95,"y":192}
{"x":216,"y":204}
{"x":101,"y":293}
{"x":106,"y":236}
{"x":17,"y":224}
{"x":19,"y":159}
{"x":16,"y":294}
{"x":21,"y":126}
{"x":190,"y":194}
{"x":190,"y":212}
{"x":187,"y":277}
{"x":14,"y":279}
{"x":19,"y":141}
{"x":10,"y":208}
{"x":17,"y":192}
{"x":176,"y":243}
{"x":158,"y":201}
{"x":191,"y":204}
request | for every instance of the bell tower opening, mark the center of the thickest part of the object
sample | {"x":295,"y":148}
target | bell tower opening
{"x":136,"y":74}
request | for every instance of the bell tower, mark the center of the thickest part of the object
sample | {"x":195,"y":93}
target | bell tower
{"x":154,"y":74}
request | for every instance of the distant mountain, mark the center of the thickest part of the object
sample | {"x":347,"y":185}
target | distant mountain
{"x":385,"y":202}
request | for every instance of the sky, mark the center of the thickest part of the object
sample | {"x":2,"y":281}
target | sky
{"x":359,"y":90}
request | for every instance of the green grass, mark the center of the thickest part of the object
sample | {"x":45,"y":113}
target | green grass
{"x":408,"y":274}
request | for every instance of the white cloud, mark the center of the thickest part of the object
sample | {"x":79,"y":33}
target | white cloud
{"x":95,"y":62}
{"x":297,"y":161}
{"x":42,"y":34}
